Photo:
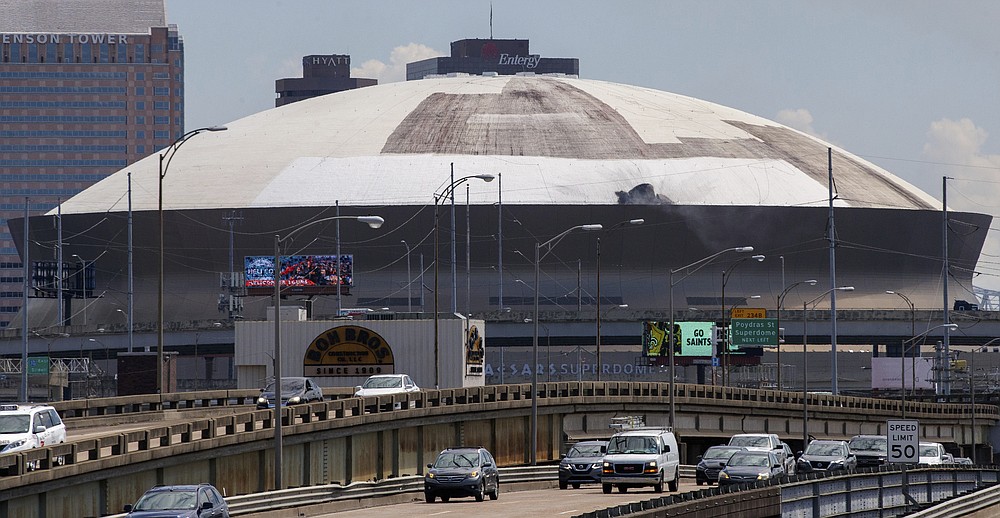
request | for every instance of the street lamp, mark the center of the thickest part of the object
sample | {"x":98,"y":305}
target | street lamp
{"x":438,"y":196}
{"x":902,"y":350}
{"x":371,"y":221}
{"x":637,"y":221}
{"x":694,"y":267}
{"x":805,"y":361}
{"x":902,"y":364}
{"x":128,"y":322}
{"x":165,"y":158}
{"x":725,"y":343}
{"x":548,"y":245}
{"x":781,"y":300}
{"x":409,"y":297}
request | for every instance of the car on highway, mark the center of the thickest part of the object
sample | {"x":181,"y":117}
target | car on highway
{"x":766,"y":442}
{"x":462,"y":472}
{"x":746,"y":467}
{"x":582,"y":464}
{"x":180,"y":501}
{"x":965,"y":461}
{"x":294,"y":391}
{"x":824,"y":456}
{"x":711,"y":463}
{"x":381,"y":384}
{"x":869,"y":450}
{"x":641,"y":457}
{"x":23,"y":427}
{"x":931,"y":453}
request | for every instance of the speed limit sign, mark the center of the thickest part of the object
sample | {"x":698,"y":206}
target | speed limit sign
{"x":903,"y":441}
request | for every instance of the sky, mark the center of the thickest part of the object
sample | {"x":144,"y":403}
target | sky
{"x":910,"y":85}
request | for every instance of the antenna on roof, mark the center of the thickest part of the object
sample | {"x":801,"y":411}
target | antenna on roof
{"x":491,"y":20}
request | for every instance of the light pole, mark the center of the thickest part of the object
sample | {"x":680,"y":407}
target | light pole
{"x":781,"y":300}
{"x":371,"y":221}
{"x":693,"y":267}
{"x":723,"y":340}
{"x":83,"y":270}
{"x":902,"y":363}
{"x":637,"y":221}
{"x":128,"y":322}
{"x":409,"y":297}
{"x":805,"y":361}
{"x":548,"y":245}
{"x":438,"y":196}
{"x":165,"y":158}
{"x":902,"y":350}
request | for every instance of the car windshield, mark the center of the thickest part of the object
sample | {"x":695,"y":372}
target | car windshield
{"x":457,"y":460}
{"x":287,"y":386}
{"x":585,"y":450}
{"x":747,"y":459}
{"x":14,"y":423}
{"x":632,"y":444}
{"x":161,"y":500}
{"x":383,"y":382}
{"x":749,"y":440}
{"x":827,"y":449}
{"x":929,"y":450}
{"x":878,"y":444}
{"x":719,"y":453}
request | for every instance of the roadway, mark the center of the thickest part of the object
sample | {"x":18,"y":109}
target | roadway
{"x":518,"y":504}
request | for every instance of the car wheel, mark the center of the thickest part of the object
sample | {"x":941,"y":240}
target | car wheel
{"x":481,"y":493}
{"x":658,"y":486}
{"x":702,"y":482}
{"x":496,"y":491}
{"x":576,"y":486}
{"x":606,"y":488}
{"x":672,"y":485}
{"x":563,"y":484}
{"x":445,"y":499}
{"x":622,"y":489}
{"x":429,"y":497}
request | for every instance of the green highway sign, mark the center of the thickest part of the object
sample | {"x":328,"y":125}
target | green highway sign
{"x":754,"y":332}
{"x":38,"y":365}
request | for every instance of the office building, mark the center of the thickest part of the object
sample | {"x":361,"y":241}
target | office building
{"x":86,"y":88}
{"x":321,"y":75}
{"x":500,"y":57}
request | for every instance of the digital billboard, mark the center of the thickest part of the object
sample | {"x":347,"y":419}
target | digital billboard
{"x":308,"y":274}
{"x":690,"y":338}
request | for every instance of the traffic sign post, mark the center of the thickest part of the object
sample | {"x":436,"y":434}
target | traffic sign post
{"x":903,"y":443}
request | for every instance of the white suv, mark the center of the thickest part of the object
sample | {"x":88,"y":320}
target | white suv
{"x":23,"y":427}
{"x":641,"y":457}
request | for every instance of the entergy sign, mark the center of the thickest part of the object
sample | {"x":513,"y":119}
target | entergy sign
{"x":903,"y":441}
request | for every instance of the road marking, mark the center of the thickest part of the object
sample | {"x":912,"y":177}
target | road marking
{"x":442,"y":512}
{"x":567,"y":512}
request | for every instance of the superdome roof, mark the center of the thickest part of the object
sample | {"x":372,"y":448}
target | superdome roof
{"x":556,"y":140}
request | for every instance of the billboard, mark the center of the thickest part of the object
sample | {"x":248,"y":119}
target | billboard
{"x":691,"y":338}
{"x":308,"y":274}
{"x":918,"y":371}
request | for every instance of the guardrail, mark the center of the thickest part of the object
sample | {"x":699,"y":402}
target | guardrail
{"x":963,"y":505}
{"x":870,"y":493}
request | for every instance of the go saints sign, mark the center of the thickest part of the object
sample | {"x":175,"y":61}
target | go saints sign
{"x":348,"y":351}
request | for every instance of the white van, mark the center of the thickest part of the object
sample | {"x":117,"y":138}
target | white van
{"x":641,"y":457}
{"x":23,"y":427}
{"x":931,"y":453}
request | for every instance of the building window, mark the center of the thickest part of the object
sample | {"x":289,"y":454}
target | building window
{"x":162,"y":135}
{"x":161,"y":91}
{"x":86,"y":53}
{"x":140,"y":105}
{"x":161,"y":120}
{"x":33,"y":53}
{"x":140,"y":76}
{"x":140,"y":52}
{"x":140,"y":90}
{"x":123,"y":53}
{"x":161,"y":105}
{"x":105,"y":53}
{"x":68,"y":55}
{"x":140,"y":120}
{"x":140,"y":149}
{"x":142,"y":135}
{"x":51,"y":53}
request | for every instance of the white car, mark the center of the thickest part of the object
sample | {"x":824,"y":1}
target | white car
{"x":931,"y":453}
{"x":23,"y":427}
{"x":383,"y":384}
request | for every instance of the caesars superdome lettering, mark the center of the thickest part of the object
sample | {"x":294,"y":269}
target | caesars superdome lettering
{"x":348,"y":351}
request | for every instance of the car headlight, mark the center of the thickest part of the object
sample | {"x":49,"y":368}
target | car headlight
{"x":652,"y":464}
{"x":838,"y":463}
{"x":723,"y":474}
{"x":262,"y":400}
{"x":430,"y":475}
{"x":474,"y":474}
{"x":294,"y":400}
{"x":763,"y":476}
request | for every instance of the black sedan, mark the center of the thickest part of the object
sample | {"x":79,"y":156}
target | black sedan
{"x":711,"y":463}
{"x":294,"y":391}
{"x":746,"y":467}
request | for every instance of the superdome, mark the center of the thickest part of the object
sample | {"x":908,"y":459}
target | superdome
{"x":568,"y":151}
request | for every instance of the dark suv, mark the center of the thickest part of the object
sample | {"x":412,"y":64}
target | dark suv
{"x":582,"y":464}
{"x":185,"y":501}
{"x":458,"y":472}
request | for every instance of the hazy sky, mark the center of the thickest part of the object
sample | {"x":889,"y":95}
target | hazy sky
{"x":913,"y":86}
